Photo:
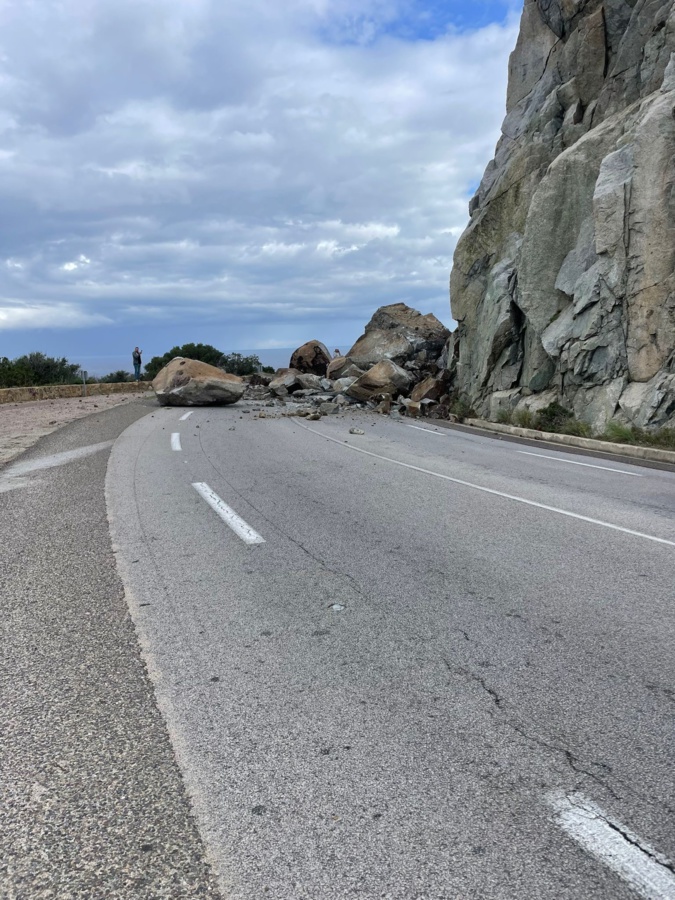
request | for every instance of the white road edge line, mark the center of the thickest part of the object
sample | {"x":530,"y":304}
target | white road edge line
{"x":57,"y":459}
{"x":486,"y":490}
{"x":175,"y":441}
{"x":571,"y":462}
{"x":228,"y":515}
{"x":648,"y":872}
{"x":186,"y":416}
{"x":418,"y":428}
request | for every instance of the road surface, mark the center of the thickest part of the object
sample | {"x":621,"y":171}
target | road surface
{"x":409,"y":663}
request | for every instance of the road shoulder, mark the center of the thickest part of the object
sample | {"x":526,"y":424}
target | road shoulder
{"x":95,"y":804}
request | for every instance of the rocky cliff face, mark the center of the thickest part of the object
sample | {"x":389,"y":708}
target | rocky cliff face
{"x":564,"y":282}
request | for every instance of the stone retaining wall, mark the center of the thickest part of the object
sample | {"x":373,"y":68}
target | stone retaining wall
{"x":59,"y":391}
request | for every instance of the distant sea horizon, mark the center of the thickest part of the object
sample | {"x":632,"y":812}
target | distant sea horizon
{"x":97,"y":366}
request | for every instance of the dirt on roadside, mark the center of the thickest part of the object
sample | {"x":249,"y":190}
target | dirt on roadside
{"x":22,"y":424}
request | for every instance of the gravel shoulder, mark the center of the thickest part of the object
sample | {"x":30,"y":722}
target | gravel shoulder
{"x":23,"y":424}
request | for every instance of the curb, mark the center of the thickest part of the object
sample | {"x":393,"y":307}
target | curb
{"x":570,"y":440}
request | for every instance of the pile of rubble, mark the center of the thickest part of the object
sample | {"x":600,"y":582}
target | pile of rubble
{"x":400,"y":366}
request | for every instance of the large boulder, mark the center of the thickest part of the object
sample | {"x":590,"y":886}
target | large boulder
{"x":431,"y":388}
{"x":564,"y":280}
{"x":189,"y":382}
{"x":285,"y":381}
{"x":384,"y":378}
{"x":400,"y":334}
{"x":311,"y":382}
{"x":312,"y":358}
{"x":342,"y":367}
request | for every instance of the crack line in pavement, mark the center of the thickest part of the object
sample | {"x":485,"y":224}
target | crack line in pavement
{"x":573,"y":761}
{"x":272,"y":524}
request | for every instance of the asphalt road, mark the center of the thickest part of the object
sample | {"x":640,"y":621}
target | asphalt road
{"x":93,"y":803}
{"x":434,"y":654}
{"x":409,"y":663}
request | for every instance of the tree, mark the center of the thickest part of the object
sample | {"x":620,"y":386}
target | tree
{"x":238,"y":364}
{"x":116,"y":377}
{"x":203,"y":352}
{"x":34,"y":369}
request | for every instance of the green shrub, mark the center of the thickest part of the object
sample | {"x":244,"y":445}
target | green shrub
{"x":202,"y":352}
{"x":118,"y":377}
{"x":236,"y":364}
{"x":553,"y":417}
{"x":34,"y":369}
{"x":505,"y":417}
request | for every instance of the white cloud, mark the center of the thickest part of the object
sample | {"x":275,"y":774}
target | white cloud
{"x":256,"y":162}
{"x":52,"y":315}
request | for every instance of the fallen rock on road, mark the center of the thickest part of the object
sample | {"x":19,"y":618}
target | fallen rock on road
{"x":189,"y":382}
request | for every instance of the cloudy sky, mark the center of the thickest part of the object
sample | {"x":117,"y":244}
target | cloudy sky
{"x":247,"y":174}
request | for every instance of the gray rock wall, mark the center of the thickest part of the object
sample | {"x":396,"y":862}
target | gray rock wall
{"x":563,"y":284}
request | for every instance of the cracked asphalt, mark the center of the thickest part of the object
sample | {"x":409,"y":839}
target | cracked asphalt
{"x":440,"y":632}
{"x":93,"y":802}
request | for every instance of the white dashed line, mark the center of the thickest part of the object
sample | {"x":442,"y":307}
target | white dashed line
{"x":571,"y":462}
{"x":175,"y":441}
{"x":186,"y":416}
{"x":228,"y":515}
{"x":487,"y":490}
{"x":648,"y":872}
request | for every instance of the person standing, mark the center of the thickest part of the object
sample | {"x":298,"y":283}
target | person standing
{"x":136,"y":357}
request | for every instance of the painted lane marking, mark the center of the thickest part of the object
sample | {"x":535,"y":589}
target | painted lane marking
{"x":186,"y":416}
{"x":543,"y":456}
{"x":228,"y":515}
{"x":648,"y":872}
{"x":57,"y":459}
{"x":486,"y":490}
{"x":427,"y":430}
{"x":571,"y":462}
{"x":175,"y":441}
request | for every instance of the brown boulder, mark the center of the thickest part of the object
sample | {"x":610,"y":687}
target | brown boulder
{"x":399,"y":333}
{"x":384,"y":378}
{"x":343,"y":367}
{"x":189,"y":382}
{"x":411,"y":408}
{"x":429,"y":389}
{"x":312,"y":358}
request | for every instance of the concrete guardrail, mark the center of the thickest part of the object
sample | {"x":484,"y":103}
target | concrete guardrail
{"x":569,"y":440}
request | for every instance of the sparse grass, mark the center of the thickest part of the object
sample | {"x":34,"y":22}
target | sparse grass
{"x":620,"y":434}
{"x":555,"y":418}
{"x":577,"y":428}
{"x":523,"y":418}
{"x":662,"y":438}
{"x":462,"y":410}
